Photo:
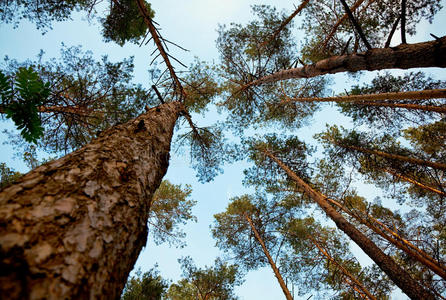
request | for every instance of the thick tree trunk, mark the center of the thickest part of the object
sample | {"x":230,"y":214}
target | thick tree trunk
{"x":368,"y":99}
{"x":404,"y":56}
{"x":270,"y":260}
{"x":415,"y":161}
{"x":398,"y":275}
{"x":353,"y":281}
{"x":396,"y":240}
{"x":73,"y":228}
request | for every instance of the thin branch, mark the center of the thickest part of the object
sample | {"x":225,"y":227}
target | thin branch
{"x":392,"y":31}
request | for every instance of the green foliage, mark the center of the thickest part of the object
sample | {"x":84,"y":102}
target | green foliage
{"x":211,"y":283}
{"x":170,"y":207}
{"x":147,"y":286}
{"x":122,"y":23}
{"x":245,"y":57}
{"x":290,"y":150}
{"x":89,"y":95}
{"x":43,"y":12}
{"x":21,"y":97}
{"x":7,"y":176}
{"x":207,"y":151}
{"x":125,"y":23}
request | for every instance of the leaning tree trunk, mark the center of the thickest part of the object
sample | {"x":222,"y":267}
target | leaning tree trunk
{"x":366,"y":99}
{"x":404,"y":56}
{"x":276,"y":271}
{"x":73,"y":228}
{"x":398,"y":275}
{"x":411,"y":160}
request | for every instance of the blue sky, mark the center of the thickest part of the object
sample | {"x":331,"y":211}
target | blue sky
{"x":192,"y":24}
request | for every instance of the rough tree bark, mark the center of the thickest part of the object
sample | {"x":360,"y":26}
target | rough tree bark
{"x":73,"y":228}
{"x":398,"y":275}
{"x":404,"y":56}
{"x":270,"y":260}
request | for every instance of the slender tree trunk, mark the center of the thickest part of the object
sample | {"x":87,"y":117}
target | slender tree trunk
{"x":270,"y":260}
{"x":73,"y":228}
{"x":397,"y":274}
{"x":404,"y":56}
{"x":412,"y":106}
{"x":396,"y":240}
{"x":342,"y":19}
{"x":356,"y":282}
{"x":285,"y":23}
{"x":368,"y":98}
{"x":154,"y":33}
{"x":415,"y":161}
{"x":415,"y":182}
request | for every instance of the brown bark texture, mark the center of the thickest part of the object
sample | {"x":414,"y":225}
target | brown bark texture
{"x":367,"y":99}
{"x":398,"y":275}
{"x":270,"y":260}
{"x":73,"y":228}
{"x":404,"y":56}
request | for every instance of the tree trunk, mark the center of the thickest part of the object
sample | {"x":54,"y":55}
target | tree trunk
{"x":362,"y":289}
{"x":73,"y":228}
{"x":404,"y":56}
{"x":415,"y":182}
{"x":397,"y":274}
{"x":285,"y":23}
{"x":415,"y":161}
{"x":396,"y":240}
{"x":368,"y":98}
{"x":270,"y":260}
{"x":342,"y":19}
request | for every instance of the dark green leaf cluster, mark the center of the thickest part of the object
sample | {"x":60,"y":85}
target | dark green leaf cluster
{"x":21,"y":97}
{"x":207,"y":151}
{"x":7,"y":175}
{"x":290,"y":150}
{"x":147,"y":286}
{"x":42,"y":12}
{"x":87,"y":96}
{"x":212,"y":283}
{"x":124,"y":22}
{"x":170,"y":207}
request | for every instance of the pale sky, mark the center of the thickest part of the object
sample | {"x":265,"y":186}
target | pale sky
{"x":192,"y":24}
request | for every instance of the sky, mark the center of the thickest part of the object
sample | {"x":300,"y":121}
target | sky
{"x":192,"y":24}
